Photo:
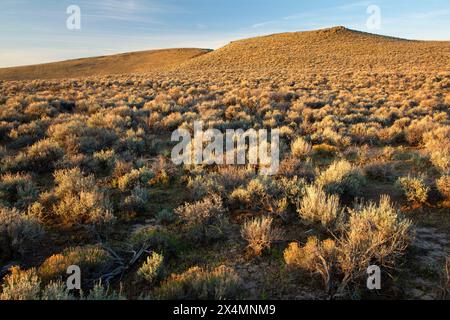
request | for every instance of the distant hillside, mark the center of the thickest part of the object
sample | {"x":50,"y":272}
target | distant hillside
{"x":336,"y":49}
{"x":135,"y":62}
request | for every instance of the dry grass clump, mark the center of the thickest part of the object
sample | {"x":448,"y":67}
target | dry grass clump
{"x":414,"y":189}
{"x":317,"y":206}
{"x":260,"y":233}
{"x":222,"y":283}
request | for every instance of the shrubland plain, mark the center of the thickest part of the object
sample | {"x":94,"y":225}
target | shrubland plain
{"x":86,"y":176}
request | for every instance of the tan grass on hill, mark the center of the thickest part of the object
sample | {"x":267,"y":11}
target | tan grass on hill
{"x":127,"y":63}
{"x":337,"y":49}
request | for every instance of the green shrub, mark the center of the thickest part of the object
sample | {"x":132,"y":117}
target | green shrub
{"x":165,"y":216}
{"x":100,"y":293}
{"x":152,"y":268}
{"x":157,"y":239}
{"x":137,"y":201}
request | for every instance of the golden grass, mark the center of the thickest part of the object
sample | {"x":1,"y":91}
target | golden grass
{"x":127,"y":63}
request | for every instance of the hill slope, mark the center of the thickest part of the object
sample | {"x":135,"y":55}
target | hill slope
{"x":135,"y":62}
{"x":336,"y":49}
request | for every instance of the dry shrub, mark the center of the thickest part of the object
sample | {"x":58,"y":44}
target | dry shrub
{"x":437,"y":143}
{"x":204,"y":218}
{"x":72,"y":181}
{"x":93,"y":261}
{"x":77,"y":136}
{"x":317,"y":206}
{"x":416,"y":130}
{"x":56,"y":291}
{"x":374,"y":234}
{"x":80,"y":201}
{"x":137,"y":201}
{"x":21,"y":285}
{"x":316,"y":256}
{"x":380,"y":171}
{"x":253,"y":196}
{"x":222,"y":283}
{"x":26,"y":285}
{"x":300,"y":148}
{"x":40,"y":157}
{"x":443,"y":185}
{"x":27,"y":134}
{"x":17,"y":190}
{"x":269,"y":194}
{"x":224,"y":181}
{"x":103,"y":161}
{"x":17,"y":232}
{"x":325,"y":150}
{"x":414,"y":189}
{"x":341,"y":178}
{"x":260,"y":233}
{"x":39,"y":110}
{"x":142,"y":176}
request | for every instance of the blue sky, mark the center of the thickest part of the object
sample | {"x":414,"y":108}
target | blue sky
{"x":34,"y":31}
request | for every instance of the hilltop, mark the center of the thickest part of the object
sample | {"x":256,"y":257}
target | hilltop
{"x":127,"y":63}
{"x":336,"y":49}
{"x":333,"y":50}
